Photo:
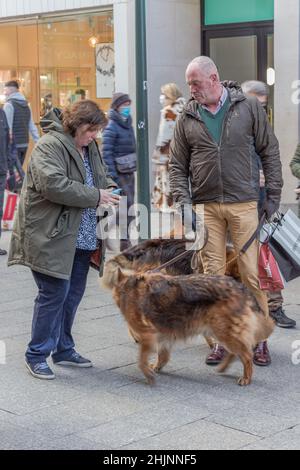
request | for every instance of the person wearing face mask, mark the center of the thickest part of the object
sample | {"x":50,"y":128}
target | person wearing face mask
{"x":172,"y":103}
{"x":119,"y":153}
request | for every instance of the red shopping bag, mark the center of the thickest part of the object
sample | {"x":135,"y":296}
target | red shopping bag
{"x":269,"y":274}
{"x":10,"y":204}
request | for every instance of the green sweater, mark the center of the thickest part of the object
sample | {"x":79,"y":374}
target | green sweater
{"x":295,"y":163}
{"x":214,"y":122}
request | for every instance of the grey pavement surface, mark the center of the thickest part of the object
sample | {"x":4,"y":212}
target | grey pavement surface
{"x":110,"y":406}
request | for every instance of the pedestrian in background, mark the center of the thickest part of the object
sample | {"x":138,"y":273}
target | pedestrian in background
{"x":4,"y":141}
{"x":275,"y":299}
{"x":172,"y":103}
{"x":119,"y":153}
{"x":19,"y":120}
{"x":55,"y":229}
{"x":295,"y":168}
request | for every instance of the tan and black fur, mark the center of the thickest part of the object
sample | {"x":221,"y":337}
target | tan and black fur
{"x":161,"y":309}
{"x":151,"y":254}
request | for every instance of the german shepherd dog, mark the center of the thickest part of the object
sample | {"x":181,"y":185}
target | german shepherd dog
{"x":151,"y":254}
{"x":161,"y":308}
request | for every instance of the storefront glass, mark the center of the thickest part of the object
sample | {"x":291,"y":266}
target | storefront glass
{"x":59,"y":60}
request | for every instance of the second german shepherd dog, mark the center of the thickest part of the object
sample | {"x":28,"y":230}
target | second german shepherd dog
{"x":161,"y":309}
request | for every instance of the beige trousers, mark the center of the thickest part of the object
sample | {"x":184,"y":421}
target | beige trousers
{"x":241,"y":219}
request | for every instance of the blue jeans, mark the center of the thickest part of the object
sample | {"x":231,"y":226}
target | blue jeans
{"x":54,"y":311}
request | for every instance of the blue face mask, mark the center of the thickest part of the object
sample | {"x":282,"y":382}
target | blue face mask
{"x":125,"y":112}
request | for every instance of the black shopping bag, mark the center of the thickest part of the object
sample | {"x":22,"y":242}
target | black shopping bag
{"x":287,"y":265}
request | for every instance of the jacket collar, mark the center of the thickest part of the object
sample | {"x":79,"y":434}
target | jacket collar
{"x":69,"y":143}
{"x":234,"y":92}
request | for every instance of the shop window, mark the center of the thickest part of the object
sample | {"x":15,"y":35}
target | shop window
{"x":55,"y":60}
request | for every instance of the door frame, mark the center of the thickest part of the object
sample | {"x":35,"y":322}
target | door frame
{"x":260,"y":29}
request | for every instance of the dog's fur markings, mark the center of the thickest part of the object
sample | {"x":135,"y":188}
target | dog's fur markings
{"x":162,"y":308}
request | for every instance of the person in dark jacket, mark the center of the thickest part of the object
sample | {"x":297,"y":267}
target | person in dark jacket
{"x":275,"y":299}
{"x":4,"y":140}
{"x":55,"y":230}
{"x":214,"y":163}
{"x":19,"y":118}
{"x":119,"y":141}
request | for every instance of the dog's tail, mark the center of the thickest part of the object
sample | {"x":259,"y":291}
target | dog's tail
{"x":110,"y":277}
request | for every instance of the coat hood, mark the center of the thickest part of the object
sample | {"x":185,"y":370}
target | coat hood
{"x":19,"y":98}
{"x":52,"y":121}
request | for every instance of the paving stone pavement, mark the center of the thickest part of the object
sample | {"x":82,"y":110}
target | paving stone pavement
{"x":110,"y":406}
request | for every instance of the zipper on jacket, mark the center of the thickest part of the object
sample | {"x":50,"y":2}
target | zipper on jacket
{"x":225,"y":120}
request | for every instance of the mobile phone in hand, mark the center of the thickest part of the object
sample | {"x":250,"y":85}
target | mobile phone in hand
{"x":117,"y":191}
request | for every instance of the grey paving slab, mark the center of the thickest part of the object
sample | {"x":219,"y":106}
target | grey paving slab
{"x":286,"y":440}
{"x":83,"y":413}
{"x":110,"y":406}
{"x":252,"y":421}
{"x":199,"y":435}
{"x":17,"y":438}
{"x":151,"y":421}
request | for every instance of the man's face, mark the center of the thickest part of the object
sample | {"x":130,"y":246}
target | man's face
{"x":202,"y":86}
{"x":263,"y":99}
{"x":8,"y":90}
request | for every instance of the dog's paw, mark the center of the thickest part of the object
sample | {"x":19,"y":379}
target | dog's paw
{"x":150,"y":375}
{"x":242,"y":381}
{"x":151,"y":378}
{"x":155,"y":367}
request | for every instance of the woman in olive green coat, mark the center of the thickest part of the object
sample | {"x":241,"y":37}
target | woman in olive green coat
{"x":55,"y":229}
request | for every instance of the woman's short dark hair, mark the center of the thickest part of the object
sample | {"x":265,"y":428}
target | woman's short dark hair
{"x":82,"y":112}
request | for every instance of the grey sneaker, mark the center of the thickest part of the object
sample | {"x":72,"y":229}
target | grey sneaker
{"x":75,"y":360}
{"x":40,"y":370}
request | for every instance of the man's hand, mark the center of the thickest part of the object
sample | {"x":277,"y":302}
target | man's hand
{"x":270,"y":207}
{"x":106,"y":197}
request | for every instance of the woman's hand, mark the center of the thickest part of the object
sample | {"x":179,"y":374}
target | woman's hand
{"x":106,"y":197}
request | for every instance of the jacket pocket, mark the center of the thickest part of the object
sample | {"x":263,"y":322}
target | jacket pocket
{"x":61,"y":225}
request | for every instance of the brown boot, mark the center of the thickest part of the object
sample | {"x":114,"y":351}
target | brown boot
{"x":216,"y":356}
{"x":261,"y":355}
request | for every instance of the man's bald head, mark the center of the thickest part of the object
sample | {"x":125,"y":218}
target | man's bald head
{"x":204,"y":64}
{"x":203,"y":80}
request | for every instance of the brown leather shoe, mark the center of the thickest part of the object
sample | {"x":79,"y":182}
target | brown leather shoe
{"x":216,"y":356}
{"x":261,"y":355}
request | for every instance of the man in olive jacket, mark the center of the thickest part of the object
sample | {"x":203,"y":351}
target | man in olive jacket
{"x":213,"y":162}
